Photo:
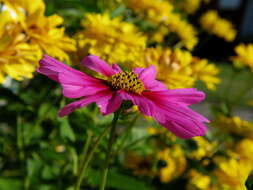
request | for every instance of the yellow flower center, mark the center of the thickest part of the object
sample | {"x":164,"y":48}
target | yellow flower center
{"x":127,"y":81}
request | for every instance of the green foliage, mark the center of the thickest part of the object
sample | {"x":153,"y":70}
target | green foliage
{"x":40,"y":151}
{"x":117,"y":180}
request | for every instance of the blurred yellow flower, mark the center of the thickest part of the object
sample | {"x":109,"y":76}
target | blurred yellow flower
{"x":40,"y":29}
{"x":178,"y":69}
{"x":206,"y":72}
{"x":244,"y":55}
{"x":232,"y":173}
{"x":162,"y":14}
{"x":111,"y":39}
{"x":184,"y":30}
{"x":155,"y":10}
{"x":172,"y":163}
{"x":214,"y":24}
{"x":198,"y":180}
{"x":173,"y":67}
{"x":204,"y":148}
{"x":188,"y":6}
{"x":234,"y":125}
{"x":245,"y":150}
{"x":18,"y":59}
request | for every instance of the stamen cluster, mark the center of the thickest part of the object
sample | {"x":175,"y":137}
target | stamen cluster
{"x":127,"y":81}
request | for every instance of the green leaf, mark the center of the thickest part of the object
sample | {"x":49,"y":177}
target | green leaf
{"x":6,"y":183}
{"x":66,"y":130}
{"x":117,"y":180}
{"x":34,"y":168}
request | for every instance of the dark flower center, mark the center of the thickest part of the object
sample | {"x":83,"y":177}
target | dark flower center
{"x":127,"y":81}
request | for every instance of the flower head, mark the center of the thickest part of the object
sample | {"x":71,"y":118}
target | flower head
{"x":168,"y":107}
{"x":173,"y":163}
{"x":18,"y":58}
{"x":102,"y":35}
{"x":44,"y":31}
{"x":179,"y":69}
{"x":214,"y":24}
{"x":244,"y":55}
{"x":163,"y":16}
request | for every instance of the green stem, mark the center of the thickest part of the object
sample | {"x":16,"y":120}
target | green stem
{"x":86,"y":148}
{"x":89,"y":157}
{"x":20,"y":139}
{"x":127,"y":132}
{"x":109,"y":150}
{"x":136,"y":142}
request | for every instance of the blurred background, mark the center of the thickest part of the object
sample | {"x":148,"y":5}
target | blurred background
{"x":203,"y":44}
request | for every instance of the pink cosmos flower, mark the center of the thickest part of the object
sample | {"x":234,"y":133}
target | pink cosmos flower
{"x":168,"y":107}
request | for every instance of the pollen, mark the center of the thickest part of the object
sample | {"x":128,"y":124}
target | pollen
{"x":127,"y":81}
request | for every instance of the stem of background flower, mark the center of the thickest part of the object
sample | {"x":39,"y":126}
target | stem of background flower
{"x":136,"y":142}
{"x":127,"y":133}
{"x":20,"y":145}
{"x":89,"y":157}
{"x":20,"y":139}
{"x":109,"y":150}
{"x":85,"y":150}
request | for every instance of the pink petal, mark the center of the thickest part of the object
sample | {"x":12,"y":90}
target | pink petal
{"x":186,"y":130}
{"x":94,"y":63}
{"x":175,"y":116}
{"x":146,"y":106}
{"x":155,"y":85}
{"x":186,"y":96}
{"x":101,"y":96}
{"x":75,"y":86}
{"x":52,"y":67}
{"x":75,"y":83}
{"x":147,"y":76}
{"x":111,"y":104}
{"x":116,"y":68}
{"x":180,"y":123}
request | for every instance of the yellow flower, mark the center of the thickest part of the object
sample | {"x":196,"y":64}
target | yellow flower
{"x":204,"y":148}
{"x":111,"y":39}
{"x":188,"y":6}
{"x":198,"y":180}
{"x":41,"y":30}
{"x":244,"y":55}
{"x":206,"y":72}
{"x":173,"y":67}
{"x":18,"y":59}
{"x":178,"y":69}
{"x":155,"y":10}
{"x":184,"y":30}
{"x":172,"y":163}
{"x":214,"y":24}
{"x":232,"y":173}
{"x":245,"y":150}
{"x":234,"y":125}
{"x":162,"y":15}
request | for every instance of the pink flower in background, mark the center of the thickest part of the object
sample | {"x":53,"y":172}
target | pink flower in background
{"x":168,"y":107}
